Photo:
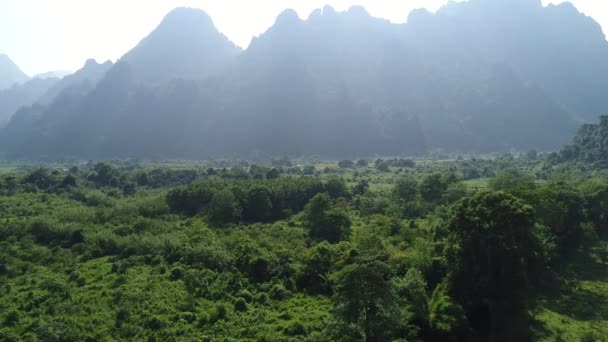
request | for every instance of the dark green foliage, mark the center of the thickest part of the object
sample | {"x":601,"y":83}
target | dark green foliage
{"x":41,"y":179}
{"x":597,"y":202}
{"x":279,"y":292}
{"x":295,"y":329}
{"x":362,"y":163}
{"x":258,"y":204}
{"x":346,"y":164}
{"x":335,"y":187}
{"x":589,"y":145}
{"x":562,"y":211}
{"x":224,"y":208}
{"x":433,"y":186}
{"x":366,"y":299}
{"x":324,"y":220}
{"x":251,"y":260}
{"x":318,"y":265}
{"x":192,"y":198}
{"x":361,"y":188}
{"x":309,"y":170}
{"x":240,"y":305}
{"x":492,"y":260}
{"x":382,"y":166}
{"x":260,"y":200}
{"x":512,"y":181}
{"x":406,"y":189}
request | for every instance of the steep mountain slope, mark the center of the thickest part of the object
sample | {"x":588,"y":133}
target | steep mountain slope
{"x":462,"y":101}
{"x":185,"y":45}
{"x":44,"y":90}
{"x":555,"y":47}
{"x":480,"y":76}
{"x":10,"y":73}
{"x":91,"y":74}
{"x":19,"y":95}
{"x":131,"y":109}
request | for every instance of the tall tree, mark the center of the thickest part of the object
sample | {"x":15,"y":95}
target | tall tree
{"x":324,"y":220}
{"x":491,"y":257}
{"x":366,"y":299}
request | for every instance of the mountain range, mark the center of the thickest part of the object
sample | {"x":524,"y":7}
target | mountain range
{"x":477,"y":76}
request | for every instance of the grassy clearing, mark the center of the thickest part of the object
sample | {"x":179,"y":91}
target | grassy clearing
{"x":580,"y":311}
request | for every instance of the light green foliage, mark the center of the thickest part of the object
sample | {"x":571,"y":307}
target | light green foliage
{"x":227,"y":251}
{"x":444,"y":316}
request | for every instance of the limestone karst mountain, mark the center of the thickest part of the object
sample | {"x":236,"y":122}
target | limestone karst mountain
{"x":478,"y":76}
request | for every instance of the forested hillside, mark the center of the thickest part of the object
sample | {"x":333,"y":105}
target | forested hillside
{"x":477,"y":76}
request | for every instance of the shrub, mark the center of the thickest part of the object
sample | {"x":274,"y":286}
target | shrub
{"x":219,"y":313}
{"x":240,"y":305}
{"x":295,"y":329}
{"x":261,"y":298}
{"x":279,"y":292}
{"x":246,"y":295}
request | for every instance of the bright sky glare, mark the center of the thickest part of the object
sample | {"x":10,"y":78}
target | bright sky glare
{"x":43,"y":35}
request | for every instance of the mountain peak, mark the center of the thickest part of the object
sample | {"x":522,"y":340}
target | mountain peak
{"x":185,"y":45}
{"x":329,"y":11}
{"x":186,"y":16}
{"x":10,"y":73}
{"x":358,"y":12}
{"x":90,"y":63}
{"x":287,"y":17}
{"x":420,"y":15}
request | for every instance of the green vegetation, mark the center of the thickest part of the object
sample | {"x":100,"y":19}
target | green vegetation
{"x":502,"y":248}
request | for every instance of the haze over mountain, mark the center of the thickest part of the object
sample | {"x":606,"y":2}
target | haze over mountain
{"x":54,"y":74}
{"x":10,"y":73}
{"x":86,"y":77}
{"x":185,"y":45}
{"x":20,"y":95}
{"x":480,"y":76}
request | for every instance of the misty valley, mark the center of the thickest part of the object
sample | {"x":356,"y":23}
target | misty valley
{"x":343,"y":178}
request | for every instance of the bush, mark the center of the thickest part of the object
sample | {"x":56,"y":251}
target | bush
{"x":155,"y":323}
{"x":325,"y":221}
{"x":246,"y":295}
{"x":177,"y":273}
{"x":295,"y":329}
{"x":279,"y":292}
{"x":219,"y":313}
{"x":240,"y":305}
{"x":261,"y":298}
{"x":11,"y":318}
{"x":224,"y":208}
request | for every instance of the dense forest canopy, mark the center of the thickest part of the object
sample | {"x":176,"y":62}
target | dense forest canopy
{"x":477,"y":76}
{"x":462,"y":249}
{"x":589,"y":145}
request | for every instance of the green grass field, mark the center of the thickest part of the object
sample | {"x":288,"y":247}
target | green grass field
{"x":580,"y":311}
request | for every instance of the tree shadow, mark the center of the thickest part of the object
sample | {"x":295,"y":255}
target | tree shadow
{"x":580,"y":301}
{"x":581,"y":304}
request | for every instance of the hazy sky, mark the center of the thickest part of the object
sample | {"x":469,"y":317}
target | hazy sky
{"x":44,"y":35}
